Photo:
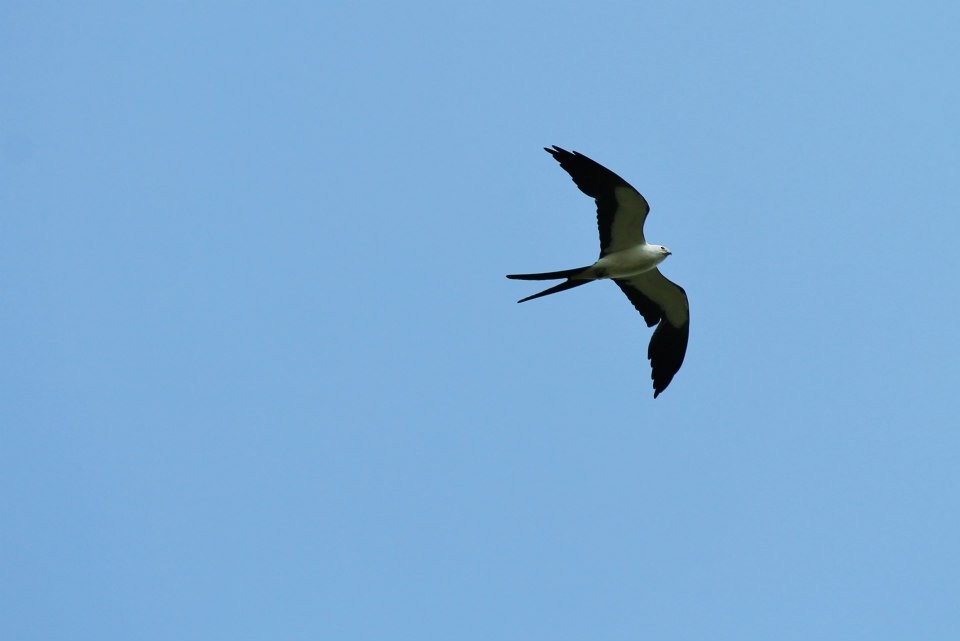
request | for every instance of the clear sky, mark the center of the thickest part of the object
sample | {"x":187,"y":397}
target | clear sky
{"x":263,"y":376}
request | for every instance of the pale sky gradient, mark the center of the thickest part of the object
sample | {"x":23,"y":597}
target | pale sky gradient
{"x":263,"y":377}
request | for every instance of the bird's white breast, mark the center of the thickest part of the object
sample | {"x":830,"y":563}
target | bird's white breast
{"x":629,"y":262}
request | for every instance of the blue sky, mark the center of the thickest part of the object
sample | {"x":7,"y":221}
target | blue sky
{"x":263,"y":377}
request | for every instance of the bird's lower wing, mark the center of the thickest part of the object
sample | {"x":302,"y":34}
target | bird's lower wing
{"x":660,"y":300}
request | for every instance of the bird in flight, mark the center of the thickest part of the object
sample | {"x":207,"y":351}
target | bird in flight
{"x":627,"y":259}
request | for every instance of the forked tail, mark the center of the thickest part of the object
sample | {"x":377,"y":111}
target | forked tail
{"x":569,"y":274}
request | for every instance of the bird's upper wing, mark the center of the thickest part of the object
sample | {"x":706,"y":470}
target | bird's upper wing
{"x":661,"y":301}
{"x":621,"y":210}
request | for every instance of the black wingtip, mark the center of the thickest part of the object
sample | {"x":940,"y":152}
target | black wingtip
{"x":666,"y":352}
{"x":555,"y":151}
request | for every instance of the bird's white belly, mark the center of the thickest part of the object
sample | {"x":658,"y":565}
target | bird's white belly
{"x":627,"y":262}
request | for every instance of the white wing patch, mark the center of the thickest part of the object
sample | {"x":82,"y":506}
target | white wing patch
{"x":627,"y":227}
{"x":666,"y":294}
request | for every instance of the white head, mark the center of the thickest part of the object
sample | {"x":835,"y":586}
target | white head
{"x":663,"y":250}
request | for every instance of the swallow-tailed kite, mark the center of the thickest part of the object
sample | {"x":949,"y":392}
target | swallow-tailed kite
{"x":627,"y":258}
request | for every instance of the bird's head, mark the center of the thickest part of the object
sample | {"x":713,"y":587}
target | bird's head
{"x":663,"y":250}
